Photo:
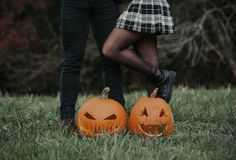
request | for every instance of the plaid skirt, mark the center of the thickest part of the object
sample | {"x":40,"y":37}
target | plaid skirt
{"x":148,"y":16}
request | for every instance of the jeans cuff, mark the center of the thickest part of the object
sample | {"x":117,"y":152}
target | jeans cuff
{"x":67,"y":113}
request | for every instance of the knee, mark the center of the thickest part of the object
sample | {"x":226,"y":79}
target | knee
{"x":71,"y":65}
{"x":108,"y":50}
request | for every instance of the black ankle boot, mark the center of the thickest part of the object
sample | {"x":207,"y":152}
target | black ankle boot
{"x":164,"y":81}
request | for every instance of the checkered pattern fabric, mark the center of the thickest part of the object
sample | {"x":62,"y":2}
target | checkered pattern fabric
{"x":149,"y":16}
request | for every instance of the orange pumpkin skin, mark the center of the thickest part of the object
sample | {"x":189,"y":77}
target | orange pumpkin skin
{"x":101,"y":115}
{"x":151,"y":117}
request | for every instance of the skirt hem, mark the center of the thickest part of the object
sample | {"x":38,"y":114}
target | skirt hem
{"x":158,"y":32}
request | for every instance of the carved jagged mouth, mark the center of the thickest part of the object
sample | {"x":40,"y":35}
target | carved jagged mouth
{"x":110,"y":130}
{"x":98,"y":130}
{"x":152,"y":130}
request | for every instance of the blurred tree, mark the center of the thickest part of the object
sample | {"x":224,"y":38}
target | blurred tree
{"x":29,"y":47}
{"x":205,"y":35}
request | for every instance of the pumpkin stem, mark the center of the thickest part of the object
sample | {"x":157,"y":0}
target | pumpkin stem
{"x":105,"y":92}
{"x":154,"y":93}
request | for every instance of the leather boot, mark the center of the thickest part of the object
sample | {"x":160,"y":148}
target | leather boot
{"x":164,"y":80}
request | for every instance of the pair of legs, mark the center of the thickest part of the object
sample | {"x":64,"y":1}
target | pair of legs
{"x":77,"y":16}
{"x":142,"y":58}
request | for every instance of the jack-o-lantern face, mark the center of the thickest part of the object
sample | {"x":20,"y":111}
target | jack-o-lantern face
{"x":101,"y":115}
{"x":151,"y":117}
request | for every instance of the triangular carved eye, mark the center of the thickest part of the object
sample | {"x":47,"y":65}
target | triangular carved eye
{"x":111,"y":117}
{"x":162,"y":113}
{"x":87,"y":115}
{"x":144,"y":113}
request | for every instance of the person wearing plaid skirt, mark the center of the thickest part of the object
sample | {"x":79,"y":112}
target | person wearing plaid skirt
{"x":138,"y":26}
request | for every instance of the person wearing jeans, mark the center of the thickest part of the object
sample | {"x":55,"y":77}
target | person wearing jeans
{"x":76,"y":18}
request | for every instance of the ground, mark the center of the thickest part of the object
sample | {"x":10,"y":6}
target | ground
{"x":205,"y":122}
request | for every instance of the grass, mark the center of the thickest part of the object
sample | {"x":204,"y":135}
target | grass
{"x":205,"y":129}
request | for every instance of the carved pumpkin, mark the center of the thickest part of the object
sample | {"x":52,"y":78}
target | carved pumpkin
{"x":151,"y":117}
{"x":101,"y":115}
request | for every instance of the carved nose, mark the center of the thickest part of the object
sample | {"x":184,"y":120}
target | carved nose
{"x":151,"y":121}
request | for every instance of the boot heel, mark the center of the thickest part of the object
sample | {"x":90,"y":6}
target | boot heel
{"x":172,"y":77}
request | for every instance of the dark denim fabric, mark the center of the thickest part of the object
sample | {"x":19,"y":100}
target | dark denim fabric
{"x":76,"y":18}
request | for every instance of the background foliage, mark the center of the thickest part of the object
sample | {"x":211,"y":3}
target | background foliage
{"x":202,"y":50}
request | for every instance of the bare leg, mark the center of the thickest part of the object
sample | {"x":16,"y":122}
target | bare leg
{"x":147,"y":50}
{"x":116,"y":48}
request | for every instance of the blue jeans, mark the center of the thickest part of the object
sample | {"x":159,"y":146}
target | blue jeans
{"x":76,"y":18}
